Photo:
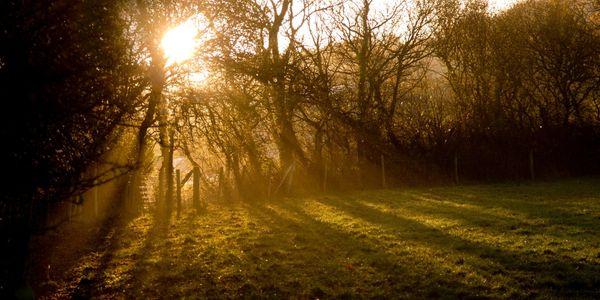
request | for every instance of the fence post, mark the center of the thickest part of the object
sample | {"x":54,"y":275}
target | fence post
{"x":325,"y":177}
{"x":96,"y":192}
{"x":456,"y":179}
{"x":531,"y":165}
{"x":178,"y":185}
{"x":221,"y":184}
{"x":196,"y":196}
{"x":127,"y":192}
{"x":70,"y":209}
{"x":269,"y":187}
{"x":383,"y":183}
{"x":291,"y":177}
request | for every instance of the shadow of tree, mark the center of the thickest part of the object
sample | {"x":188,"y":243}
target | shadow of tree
{"x":108,"y":272}
{"x":350,"y":260}
{"x":542,"y":273}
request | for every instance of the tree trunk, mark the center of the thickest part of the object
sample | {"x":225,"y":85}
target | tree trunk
{"x":317,"y":156}
{"x":287,"y":142}
{"x":157,"y":78}
{"x":363,"y":93}
{"x":164,"y":151}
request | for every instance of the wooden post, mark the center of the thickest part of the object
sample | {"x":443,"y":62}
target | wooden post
{"x":531,"y":165}
{"x":383,"y":183}
{"x":169,"y":172}
{"x":291,"y":177}
{"x":178,"y":185}
{"x":269,"y":187}
{"x":70,"y":209}
{"x":222,"y":184}
{"x":325,"y":177}
{"x":96,"y":193}
{"x":456,"y":179}
{"x":127,"y":192}
{"x":196,"y":196}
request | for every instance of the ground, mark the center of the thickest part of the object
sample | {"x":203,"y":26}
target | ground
{"x":531,"y":240}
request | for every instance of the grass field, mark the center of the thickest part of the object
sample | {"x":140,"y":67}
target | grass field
{"x":512,"y":241}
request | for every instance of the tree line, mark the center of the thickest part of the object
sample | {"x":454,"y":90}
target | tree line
{"x":295,"y":95}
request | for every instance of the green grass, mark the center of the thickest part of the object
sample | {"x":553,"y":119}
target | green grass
{"x":485,"y":241}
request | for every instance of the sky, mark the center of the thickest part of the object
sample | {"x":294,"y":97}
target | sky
{"x":494,"y":4}
{"x":501,"y":4}
{"x":179,"y":43}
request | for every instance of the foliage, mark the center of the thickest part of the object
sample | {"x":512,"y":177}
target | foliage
{"x":67,"y":85}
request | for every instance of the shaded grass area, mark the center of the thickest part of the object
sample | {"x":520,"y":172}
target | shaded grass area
{"x":486,"y":241}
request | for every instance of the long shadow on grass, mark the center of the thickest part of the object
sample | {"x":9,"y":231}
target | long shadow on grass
{"x":491,"y":217}
{"x":530,"y":272}
{"x":139,"y":283}
{"x":429,"y":204}
{"x":131,"y":281}
{"x":189,"y":266}
{"x":575,"y":208}
{"x":339,"y":264}
{"x":106,"y":242}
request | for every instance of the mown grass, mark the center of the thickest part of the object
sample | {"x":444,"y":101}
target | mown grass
{"x":484,"y":241}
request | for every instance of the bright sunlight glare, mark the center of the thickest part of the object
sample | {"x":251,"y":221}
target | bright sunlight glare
{"x":502,"y":4}
{"x":180,"y":43}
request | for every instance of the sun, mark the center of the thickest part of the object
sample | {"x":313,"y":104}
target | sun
{"x":180,"y":43}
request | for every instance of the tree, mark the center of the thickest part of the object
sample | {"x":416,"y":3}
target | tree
{"x":65,"y":72}
{"x":150,"y":20}
{"x":382,"y":53}
{"x":557,"y":47}
{"x":250,"y":47}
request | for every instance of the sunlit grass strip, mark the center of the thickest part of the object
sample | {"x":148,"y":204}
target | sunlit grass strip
{"x":421,"y":255}
{"x":493,"y":226}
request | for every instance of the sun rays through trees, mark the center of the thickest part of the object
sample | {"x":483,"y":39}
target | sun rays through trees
{"x":118,"y":108}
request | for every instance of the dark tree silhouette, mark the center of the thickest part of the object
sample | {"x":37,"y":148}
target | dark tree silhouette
{"x":66,"y":85}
